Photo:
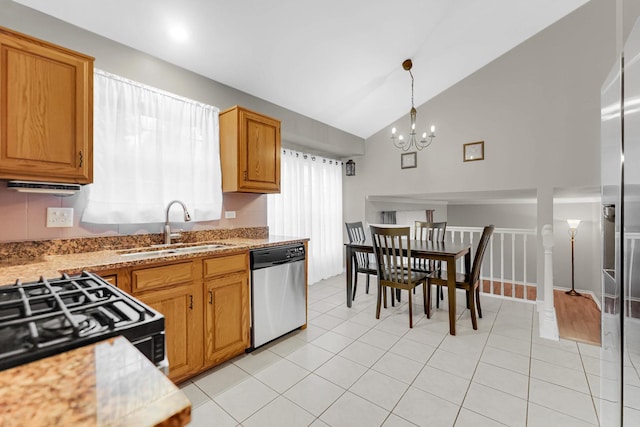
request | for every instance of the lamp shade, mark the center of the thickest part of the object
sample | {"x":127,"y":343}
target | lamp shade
{"x":350,"y":168}
{"x":573,"y":223}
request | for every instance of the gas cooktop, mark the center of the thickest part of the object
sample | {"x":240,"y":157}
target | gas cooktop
{"x":46,"y":317}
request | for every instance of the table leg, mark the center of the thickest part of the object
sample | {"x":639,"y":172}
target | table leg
{"x":349,"y":276}
{"x":451,"y":288}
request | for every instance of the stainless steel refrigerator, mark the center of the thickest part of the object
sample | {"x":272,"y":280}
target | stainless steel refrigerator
{"x":619,"y":381}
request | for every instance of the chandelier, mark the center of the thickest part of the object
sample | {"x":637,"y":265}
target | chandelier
{"x":405,"y":144}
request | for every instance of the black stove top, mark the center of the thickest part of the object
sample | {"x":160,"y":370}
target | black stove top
{"x":43,"y":318}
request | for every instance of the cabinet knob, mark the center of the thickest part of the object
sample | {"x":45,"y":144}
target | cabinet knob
{"x":80,"y":161}
{"x":191,"y":302}
{"x":210,"y":297}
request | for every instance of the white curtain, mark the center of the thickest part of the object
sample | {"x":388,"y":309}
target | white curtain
{"x":151,"y":147}
{"x":310,"y":205}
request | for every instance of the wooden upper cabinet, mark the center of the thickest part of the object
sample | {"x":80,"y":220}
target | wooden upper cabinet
{"x":249,"y":151}
{"x":46,"y":111}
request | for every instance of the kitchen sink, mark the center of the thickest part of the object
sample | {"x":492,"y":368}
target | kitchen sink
{"x":160,"y":252}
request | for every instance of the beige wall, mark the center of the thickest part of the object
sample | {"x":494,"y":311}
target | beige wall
{"x":24,"y":215}
{"x":538,"y":110}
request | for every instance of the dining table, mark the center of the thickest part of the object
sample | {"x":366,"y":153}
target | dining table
{"x":447,"y":252}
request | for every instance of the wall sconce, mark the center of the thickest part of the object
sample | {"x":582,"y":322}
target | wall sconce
{"x":350,"y":168}
{"x":573,"y":230}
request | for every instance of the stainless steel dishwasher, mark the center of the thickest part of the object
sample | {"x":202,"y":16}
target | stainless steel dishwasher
{"x":278,"y":292}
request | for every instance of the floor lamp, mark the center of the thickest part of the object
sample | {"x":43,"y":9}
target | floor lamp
{"x":573,"y":230}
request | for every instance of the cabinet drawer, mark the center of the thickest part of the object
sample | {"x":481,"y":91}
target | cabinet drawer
{"x":225,"y":265}
{"x":158,"y":277}
{"x":111,"y":279}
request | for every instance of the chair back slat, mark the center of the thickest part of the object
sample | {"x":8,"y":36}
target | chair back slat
{"x":474,"y":275}
{"x":389,"y":244}
{"x":356,"y":233}
{"x":428,"y":232}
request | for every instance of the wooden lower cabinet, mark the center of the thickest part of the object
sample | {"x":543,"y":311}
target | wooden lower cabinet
{"x":226,"y":317}
{"x":205,"y":303}
{"x":181,"y":306}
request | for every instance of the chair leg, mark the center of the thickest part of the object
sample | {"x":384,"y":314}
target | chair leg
{"x":467,"y":295}
{"x":355,"y":285}
{"x":384,"y":296}
{"x":474,"y":320}
{"x":366,"y":291}
{"x":478,"y":302}
{"x":426,"y":301}
{"x":441,"y":293}
{"x":438,"y":291}
{"x":380,"y":290}
{"x":410,"y":311}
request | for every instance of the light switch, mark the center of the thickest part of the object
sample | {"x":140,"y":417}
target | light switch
{"x":230,"y":214}
{"x":59,"y":217}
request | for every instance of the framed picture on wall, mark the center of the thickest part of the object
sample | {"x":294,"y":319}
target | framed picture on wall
{"x":473,"y":151}
{"x":408,"y":160}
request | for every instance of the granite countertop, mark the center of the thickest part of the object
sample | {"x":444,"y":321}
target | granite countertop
{"x":53,"y":265}
{"x":109,"y":383}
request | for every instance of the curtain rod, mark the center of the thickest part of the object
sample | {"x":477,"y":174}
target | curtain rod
{"x":313,"y":157}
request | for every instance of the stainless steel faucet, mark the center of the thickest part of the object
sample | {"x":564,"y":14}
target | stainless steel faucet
{"x":168,"y":235}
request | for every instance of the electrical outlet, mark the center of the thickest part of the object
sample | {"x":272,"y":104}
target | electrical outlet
{"x":59,"y":217}
{"x":230,"y":214}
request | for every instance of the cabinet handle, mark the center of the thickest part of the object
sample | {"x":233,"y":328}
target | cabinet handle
{"x":210,"y":297}
{"x":191,"y":302}
{"x":81,"y":158}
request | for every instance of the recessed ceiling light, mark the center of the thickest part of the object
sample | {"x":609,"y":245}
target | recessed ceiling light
{"x":178,"y":33}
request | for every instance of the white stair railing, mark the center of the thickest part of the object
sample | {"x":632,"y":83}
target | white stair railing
{"x":508,"y":263}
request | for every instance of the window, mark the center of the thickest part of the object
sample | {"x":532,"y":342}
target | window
{"x":151,"y":147}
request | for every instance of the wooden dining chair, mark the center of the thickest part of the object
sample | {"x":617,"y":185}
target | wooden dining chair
{"x":470,"y":281}
{"x":389,"y":247}
{"x":362,"y":262}
{"x":429,"y":232}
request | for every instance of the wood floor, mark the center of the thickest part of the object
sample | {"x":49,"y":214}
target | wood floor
{"x":578,"y":317}
{"x":508,"y":289}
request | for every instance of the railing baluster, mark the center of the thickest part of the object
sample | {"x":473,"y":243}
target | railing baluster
{"x":502,"y":263}
{"x":513,"y":265}
{"x":493,"y":276}
{"x":524,"y":268}
{"x":491,"y":265}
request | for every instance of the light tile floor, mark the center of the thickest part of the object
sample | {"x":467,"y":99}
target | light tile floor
{"x":349,"y":369}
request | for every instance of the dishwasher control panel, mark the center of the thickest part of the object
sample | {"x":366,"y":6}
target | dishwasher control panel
{"x":266,"y":257}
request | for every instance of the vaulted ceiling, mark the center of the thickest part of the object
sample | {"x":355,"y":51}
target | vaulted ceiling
{"x":335,"y":61}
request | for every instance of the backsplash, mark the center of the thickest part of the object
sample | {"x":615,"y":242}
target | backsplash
{"x":24,"y":217}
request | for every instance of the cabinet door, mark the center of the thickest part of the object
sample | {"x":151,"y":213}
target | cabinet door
{"x":259,"y":152}
{"x":46,"y":111}
{"x":182,"y":310}
{"x":226,"y":317}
